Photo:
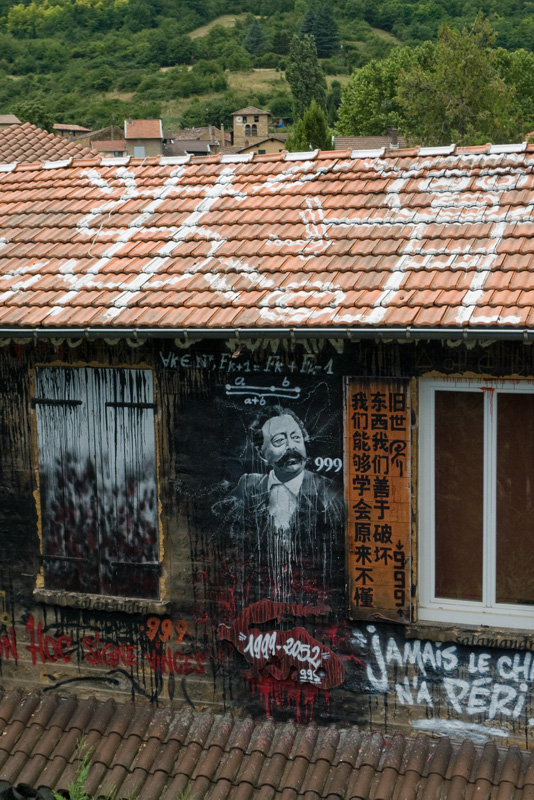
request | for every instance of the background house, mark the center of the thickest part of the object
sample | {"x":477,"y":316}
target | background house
{"x":155,"y":545}
{"x":272,"y":144}
{"x":8,"y":119}
{"x":250,"y":126}
{"x":144,"y":137}
{"x":391,"y":140}
{"x":111,"y":147}
{"x":70,"y":130}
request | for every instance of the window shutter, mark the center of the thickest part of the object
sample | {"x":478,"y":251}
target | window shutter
{"x":67,"y":478}
{"x":377,"y":447}
{"x":127,"y":497}
{"x":97,"y":471}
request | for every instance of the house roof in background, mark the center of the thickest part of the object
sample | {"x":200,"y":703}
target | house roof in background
{"x":180,"y":147}
{"x":108,"y":145}
{"x":9,"y":119}
{"x":423,"y":240}
{"x":27,"y":142}
{"x":75,"y":128}
{"x":251,"y":110}
{"x":143,"y":129}
{"x":367,"y":142}
{"x":202,"y":133}
{"x":156,"y":753}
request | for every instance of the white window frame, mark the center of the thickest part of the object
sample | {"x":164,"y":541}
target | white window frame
{"x":430,"y":607}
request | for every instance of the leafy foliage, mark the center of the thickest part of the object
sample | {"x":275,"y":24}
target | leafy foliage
{"x":34,"y":111}
{"x":460,"y":97}
{"x":95,"y":62}
{"x":459,"y":89}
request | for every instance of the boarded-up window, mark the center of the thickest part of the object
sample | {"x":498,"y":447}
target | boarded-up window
{"x":97,"y":473}
{"x":378,"y":498}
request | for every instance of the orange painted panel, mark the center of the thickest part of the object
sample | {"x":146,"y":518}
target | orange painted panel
{"x":377,"y":490}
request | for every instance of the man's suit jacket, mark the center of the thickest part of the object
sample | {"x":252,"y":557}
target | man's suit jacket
{"x":315,"y":495}
{"x":299,"y":564}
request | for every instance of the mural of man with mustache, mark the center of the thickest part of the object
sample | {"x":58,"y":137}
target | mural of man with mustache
{"x":290,"y":519}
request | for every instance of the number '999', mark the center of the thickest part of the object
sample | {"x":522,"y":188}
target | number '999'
{"x":328,"y":464}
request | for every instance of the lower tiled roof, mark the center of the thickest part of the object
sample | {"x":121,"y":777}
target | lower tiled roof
{"x":27,"y":142}
{"x":156,"y":753}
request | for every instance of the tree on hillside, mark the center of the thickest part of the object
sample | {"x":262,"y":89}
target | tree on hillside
{"x":35,"y":112}
{"x":311,"y":131}
{"x":333,"y":99}
{"x":461,"y":98}
{"x":308,"y":23}
{"x":368,"y":103}
{"x":256,"y":40}
{"x":304,"y":75}
{"x":325,"y":32}
{"x":281,"y":42}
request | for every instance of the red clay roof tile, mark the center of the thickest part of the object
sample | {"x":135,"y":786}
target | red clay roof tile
{"x":208,"y":243}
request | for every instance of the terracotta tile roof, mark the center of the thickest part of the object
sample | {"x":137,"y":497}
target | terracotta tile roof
{"x":143,"y":129}
{"x":250,"y":110}
{"x":425,"y":239}
{"x":29,"y":143}
{"x":59,"y":126}
{"x":108,"y":145}
{"x":155,"y":753}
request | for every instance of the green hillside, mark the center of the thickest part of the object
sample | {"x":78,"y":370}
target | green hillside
{"x":96,"y":62}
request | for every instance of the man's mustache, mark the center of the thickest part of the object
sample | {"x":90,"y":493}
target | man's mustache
{"x":290,"y":455}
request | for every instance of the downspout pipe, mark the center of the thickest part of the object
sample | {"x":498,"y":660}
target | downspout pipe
{"x":399,"y":334}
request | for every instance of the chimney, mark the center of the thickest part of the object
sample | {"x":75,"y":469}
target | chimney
{"x":393,"y":136}
{"x":223,"y":142}
{"x":210,"y":133}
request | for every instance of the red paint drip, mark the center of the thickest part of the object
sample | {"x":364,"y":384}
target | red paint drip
{"x":289,"y":695}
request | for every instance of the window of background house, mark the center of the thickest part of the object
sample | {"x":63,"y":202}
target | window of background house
{"x":256,"y":118}
{"x":97,"y":477}
{"x":254,"y":130}
{"x":139,"y":151}
{"x":476,"y":526}
{"x":247,"y":130}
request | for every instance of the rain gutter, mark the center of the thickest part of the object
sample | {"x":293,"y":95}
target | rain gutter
{"x":401,"y":334}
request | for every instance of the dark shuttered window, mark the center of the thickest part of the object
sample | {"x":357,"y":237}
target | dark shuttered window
{"x":97,"y":474}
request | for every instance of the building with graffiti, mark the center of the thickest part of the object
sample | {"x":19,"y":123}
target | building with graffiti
{"x":266,"y":435}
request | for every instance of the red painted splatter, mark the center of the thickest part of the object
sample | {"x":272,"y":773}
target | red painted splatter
{"x":284,"y":658}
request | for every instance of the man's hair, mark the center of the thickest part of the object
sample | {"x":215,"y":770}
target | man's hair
{"x":256,"y":428}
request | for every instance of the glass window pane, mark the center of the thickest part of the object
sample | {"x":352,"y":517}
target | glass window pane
{"x":515,"y":498}
{"x":459,"y":454}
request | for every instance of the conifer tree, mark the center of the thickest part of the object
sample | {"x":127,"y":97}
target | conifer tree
{"x":255,"y":40}
{"x":304,"y":75}
{"x":307,"y":26}
{"x":311,"y":131}
{"x":325,"y":32}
